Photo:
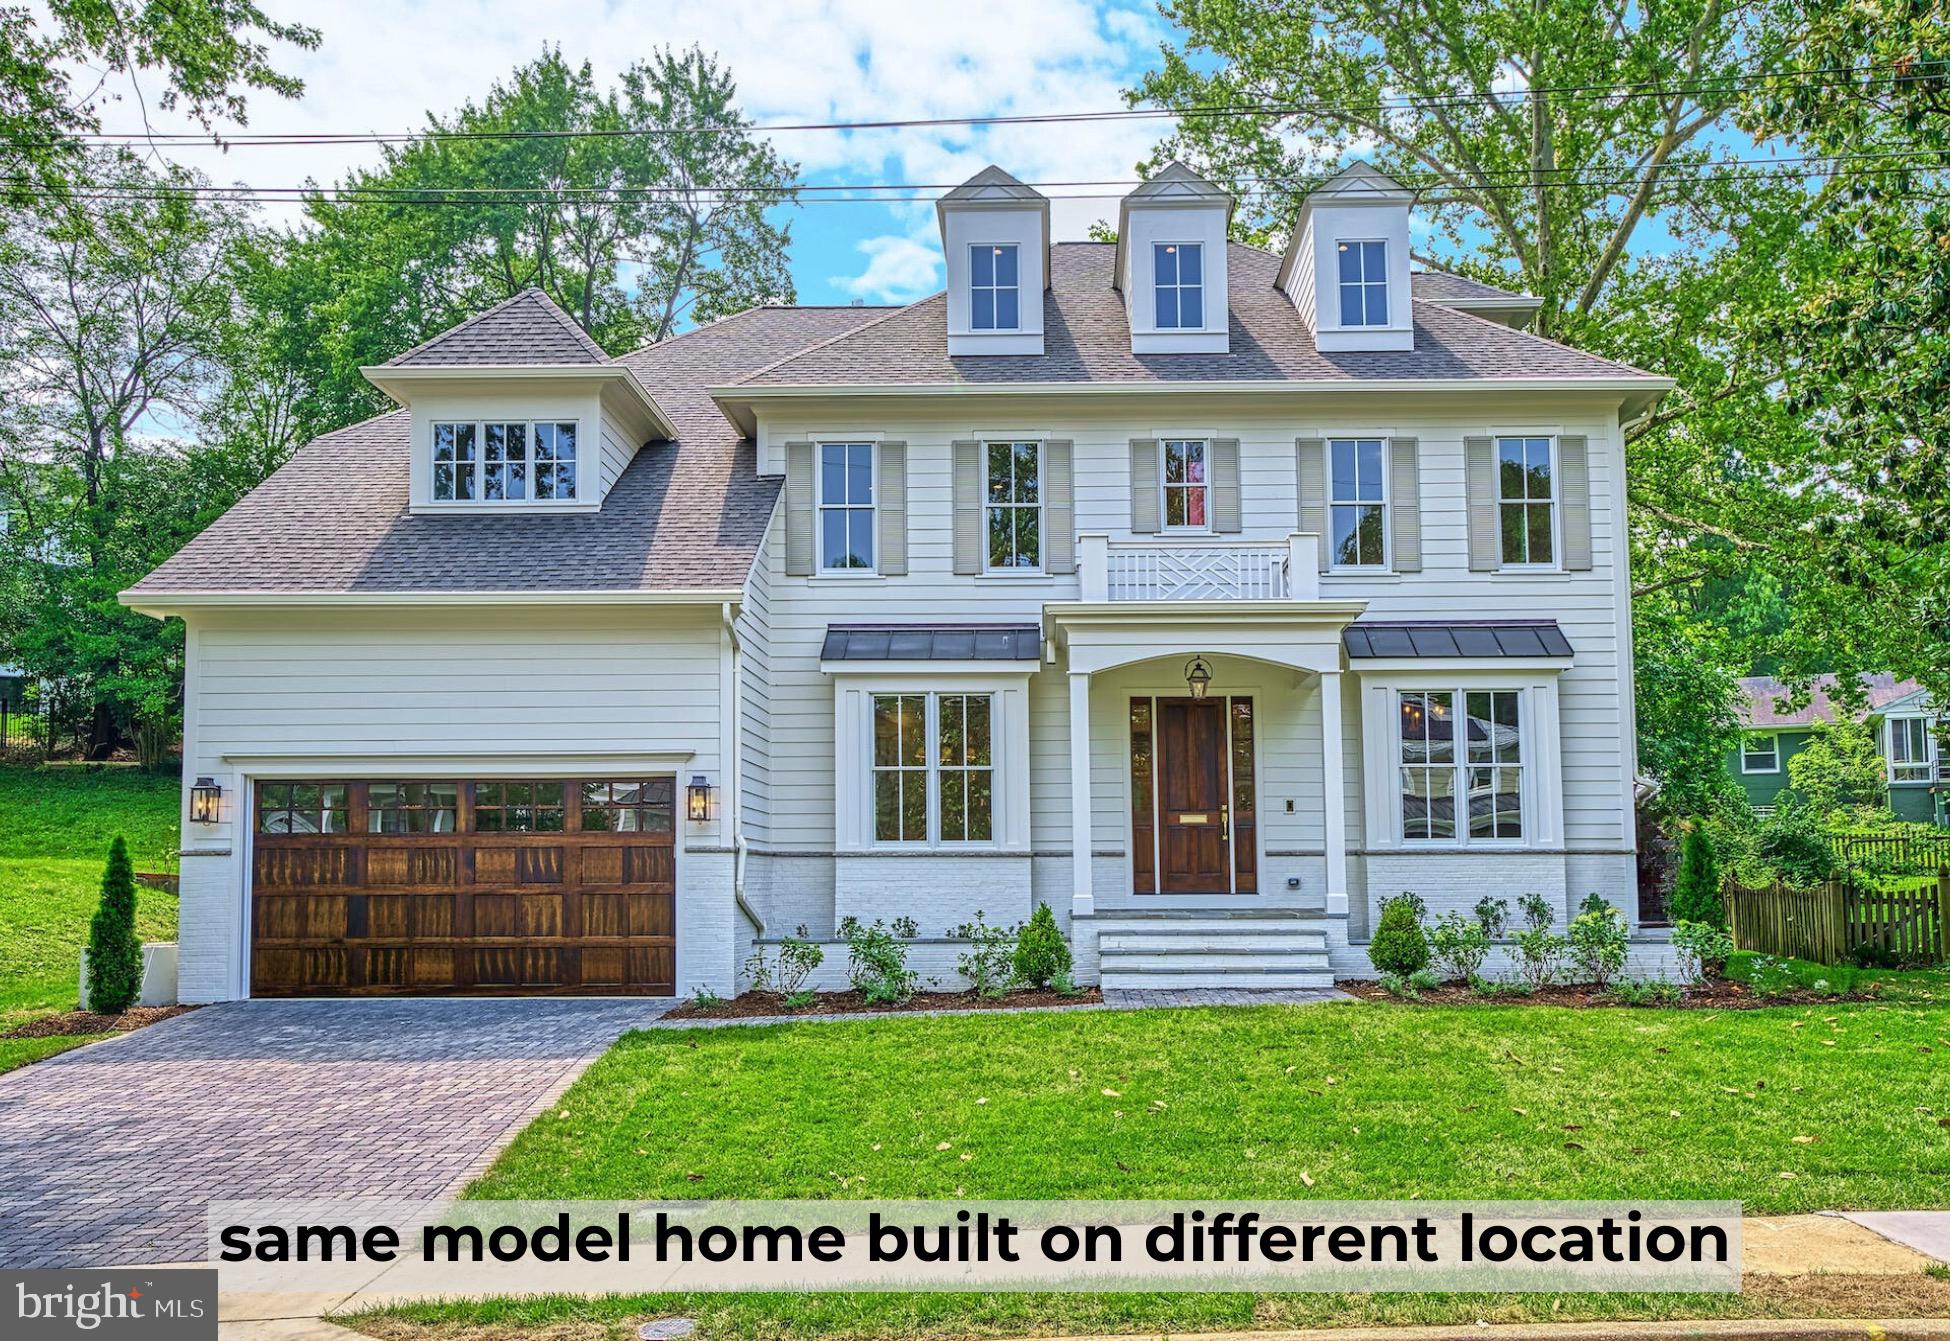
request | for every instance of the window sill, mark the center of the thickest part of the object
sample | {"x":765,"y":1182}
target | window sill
{"x":840,"y":575}
{"x":1528,"y":570}
{"x":1006,"y":575}
{"x":1370,"y":574}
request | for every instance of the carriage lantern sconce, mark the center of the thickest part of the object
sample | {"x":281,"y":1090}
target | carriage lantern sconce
{"x":697,"y":798}
{"x":1198,"y":678}
{"x":205,"y":798}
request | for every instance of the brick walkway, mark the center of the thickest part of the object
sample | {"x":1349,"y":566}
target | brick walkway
{"x":108,"y":1154}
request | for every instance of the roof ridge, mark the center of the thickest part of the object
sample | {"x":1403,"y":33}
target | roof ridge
{"x":567,"y":322}
{"x":712,"y":324}
{"x":835,"y":339}
{"x":528,"y":294}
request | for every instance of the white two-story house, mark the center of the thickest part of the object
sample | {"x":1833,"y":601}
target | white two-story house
{"x":1205,"y":595}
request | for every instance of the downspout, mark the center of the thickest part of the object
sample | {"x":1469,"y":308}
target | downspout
{"x":735,"y":771}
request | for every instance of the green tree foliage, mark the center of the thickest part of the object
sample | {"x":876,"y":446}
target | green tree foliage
{"x":1839,"y":770}
{"x":1794,"y":847}
{"x":114,"y":953}
{"x":1042,"y":955}
{"x":629,"y":227}
{"x":1696,"y":892}
{"x":1399,"y":946}
{"x":110,"y":327}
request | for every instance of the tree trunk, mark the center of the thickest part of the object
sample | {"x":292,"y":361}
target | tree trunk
{"x":103,"y":734}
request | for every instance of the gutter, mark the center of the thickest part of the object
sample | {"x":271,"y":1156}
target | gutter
{"x":162,"y":604}
{"x":735,"y":769}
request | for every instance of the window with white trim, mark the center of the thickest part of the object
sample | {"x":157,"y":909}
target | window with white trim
{"x":1187,"y":491}
{"x":1912,"y":749}
{"x":1358,"y":503}
{"x":1484,"y":769}
{"x":933,"y":768}
{"x":1178,"y":277}
{"x":1014,"y":512}
{"x":1526,"y":507}
{"x":846,"y":507}
{"x":994,"y":293}
{"x":1760,"y":754}
{"x":505,"y":461}
{"x":1364,"y":283}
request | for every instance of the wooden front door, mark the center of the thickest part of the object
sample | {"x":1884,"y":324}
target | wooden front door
{"x":1192,"y":820}
{"x":493,"y":887}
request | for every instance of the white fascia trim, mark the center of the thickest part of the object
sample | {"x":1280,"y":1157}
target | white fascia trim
{"x":918,"y":669}
{"x":443,"y":763}
{"x":1639,"y":392}
{"x":162,"y":605}
{"x":386,"y":377}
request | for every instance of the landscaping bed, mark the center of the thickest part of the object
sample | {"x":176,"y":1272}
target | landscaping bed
{"x":749,"y":1004}
{"x":74,"y":1023}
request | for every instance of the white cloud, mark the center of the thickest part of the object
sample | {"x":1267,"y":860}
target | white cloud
{"x":899,"y":270}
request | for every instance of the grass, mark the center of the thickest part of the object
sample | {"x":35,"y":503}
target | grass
{"x":58,"y":826}
{"x":1905,"y":986}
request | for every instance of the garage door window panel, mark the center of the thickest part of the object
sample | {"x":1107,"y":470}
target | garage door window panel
{"x":519,"y":807}
{"x":413,"y":807}
{"x":642,"y":806}
{"x":302,"y":807}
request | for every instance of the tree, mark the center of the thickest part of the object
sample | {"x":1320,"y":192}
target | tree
{"x":109,"y":326}
{"x":114,"y":952}
{"x":206,"y":51}
{"x":1696,"y":893}
{"x":1839,"y":769}
{"x":658,"y":211}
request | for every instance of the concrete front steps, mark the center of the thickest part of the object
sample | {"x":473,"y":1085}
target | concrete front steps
{"x":1240,"y":949}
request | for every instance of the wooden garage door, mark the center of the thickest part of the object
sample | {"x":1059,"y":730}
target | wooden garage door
{"x":472,"y":885}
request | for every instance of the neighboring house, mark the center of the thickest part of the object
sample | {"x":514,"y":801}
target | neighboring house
{"x":1205,"y":595}
{"x":1899,"y":712}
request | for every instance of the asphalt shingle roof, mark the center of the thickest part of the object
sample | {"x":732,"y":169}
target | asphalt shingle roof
{"x":1439,"y":286}
{"x":1087,"y":338}
{"x":685,"y":515}
{"x":1763,"y":699}
{"x":527,"y":328}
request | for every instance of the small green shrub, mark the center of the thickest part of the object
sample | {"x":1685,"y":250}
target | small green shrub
{"x":877,"y":961}
{"x":800,"y":999}
{"x":706,"y":999}
{"x":799,"y":955}
{"x":1700,"y":947}
{"x":1540,"y":950}
{"x":1062,"y":985}
{"x":1042,"y":955}
{"x":989,"y":962}
{"x":1459,"y":944}
{"x":1646,"y":992}
{"x":1424,"y":980}
{"x":1696,"y":891}
{"x":1397,"y":985}
{"x":1399,"y":947}
{"x":1794,"y":846}
{"x":114,"y":953}
{"x":1493,"y":915}
{"x":1599,"y":941}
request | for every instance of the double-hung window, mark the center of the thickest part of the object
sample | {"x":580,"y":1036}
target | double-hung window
{"x":1178,"y":275}
{"x":1526,"y":505}
{"x":846,"y":507}
{"x":1912,"y":749}
{"x":1760,"y":754}
{"x":1186,"y":488}
{"x":1358,"y":499}
{"x":1364,"y":283}
{"x":1475,"y":755}
{"x":1014,"y":516}
{"x":994,"y":294}
{"x":504,"y":462}
{"x":933,"y":768}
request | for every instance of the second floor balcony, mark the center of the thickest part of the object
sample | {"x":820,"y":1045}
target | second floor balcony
{"x":1199,"y":568}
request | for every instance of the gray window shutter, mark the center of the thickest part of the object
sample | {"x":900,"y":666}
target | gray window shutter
{"x":890,"y":514}
{"x":968,"y":507}
{"x":1144,"y":486}
{"x":1485,"y":541}
{"x":1574,"y":466}
{"x":1225,"y":485}
{"x":1405,"y":503}
{"x":1312,"y":482}
{"x":799,"y":509}
{"x":1059,"y":507}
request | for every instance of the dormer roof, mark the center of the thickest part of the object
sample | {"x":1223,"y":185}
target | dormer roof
{"x":1358,"y":183}
{"x":992,"y":188}
{"x":1173,"y":184}
{"x":527,"y":328}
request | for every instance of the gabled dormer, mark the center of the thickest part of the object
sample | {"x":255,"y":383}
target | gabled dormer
{"x":995,"y":235}
{"x":1346,"y":268}
{"x":517,"y":410}
{"x":1171,"y":264}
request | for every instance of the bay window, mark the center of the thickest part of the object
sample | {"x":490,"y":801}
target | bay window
{"x":933,"y":768}
{"x":1462,"y":762}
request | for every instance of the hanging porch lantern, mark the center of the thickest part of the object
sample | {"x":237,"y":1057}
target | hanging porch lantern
{"x":206,"y":799}
{"x":1198,"y":678}
{"x":697,"y":799}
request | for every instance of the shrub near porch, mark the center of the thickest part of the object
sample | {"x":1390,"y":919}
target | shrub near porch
{"x":1336,"y":1101}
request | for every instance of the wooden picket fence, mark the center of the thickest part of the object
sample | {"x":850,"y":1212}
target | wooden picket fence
{"x":1909,"y":919}
{"x":1911,"y":852}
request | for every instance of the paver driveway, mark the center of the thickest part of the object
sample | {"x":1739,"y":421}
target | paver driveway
{"x":109,"y":1154}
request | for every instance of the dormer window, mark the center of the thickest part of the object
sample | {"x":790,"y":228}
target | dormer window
{"x":504,"y":462}
{"x":1178,"y":269}
{"x":993,"y":294}
{"x":1364,"y":283}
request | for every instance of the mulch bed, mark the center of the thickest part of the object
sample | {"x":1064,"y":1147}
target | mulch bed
{"x":69,"y":1023}
{"x":1720,"y":994}
{"x":852,"y":1003}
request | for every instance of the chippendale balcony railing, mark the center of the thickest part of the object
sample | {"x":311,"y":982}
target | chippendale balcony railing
{"x":1205,"y":568}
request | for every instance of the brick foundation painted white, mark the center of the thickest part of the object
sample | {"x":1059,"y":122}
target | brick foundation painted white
{"x":939,"y":892}
{"x":209,"y":929}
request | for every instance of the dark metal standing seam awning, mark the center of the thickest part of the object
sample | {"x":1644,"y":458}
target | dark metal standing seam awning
{"x":1474,"y":639}
{"x":932,"y":642}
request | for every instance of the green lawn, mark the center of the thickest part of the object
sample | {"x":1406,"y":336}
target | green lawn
{"x":1347,"y":1101}
{"x":58,"y":823}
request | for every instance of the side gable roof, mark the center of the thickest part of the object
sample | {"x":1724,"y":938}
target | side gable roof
{"x":1764,"y":699}
{"x":527,"y":328}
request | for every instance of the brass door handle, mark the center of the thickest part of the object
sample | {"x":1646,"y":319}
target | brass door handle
{"x":1225,"y":823}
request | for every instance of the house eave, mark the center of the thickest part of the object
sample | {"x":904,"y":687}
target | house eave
{"x":399,"y":383}
{"x":161,"y":605}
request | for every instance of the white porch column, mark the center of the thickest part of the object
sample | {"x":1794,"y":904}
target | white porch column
{"x":1081,"y":899}
{"x":1334,"y":788}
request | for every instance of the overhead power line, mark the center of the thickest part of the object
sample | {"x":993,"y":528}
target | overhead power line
{"x":1649,"y":88}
